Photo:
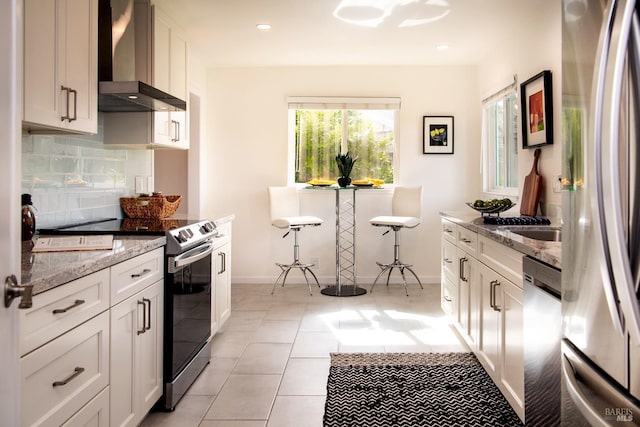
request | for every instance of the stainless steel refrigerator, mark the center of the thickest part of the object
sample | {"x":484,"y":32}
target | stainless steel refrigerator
{"x":601,"y":213}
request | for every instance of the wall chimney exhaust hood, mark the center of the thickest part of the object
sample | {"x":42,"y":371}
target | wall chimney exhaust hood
{"x":124,"y":60}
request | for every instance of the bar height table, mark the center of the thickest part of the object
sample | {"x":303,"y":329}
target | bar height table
{"x":345,"y":284}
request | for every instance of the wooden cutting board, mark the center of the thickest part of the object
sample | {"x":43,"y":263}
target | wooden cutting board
{"x":531,"y":190}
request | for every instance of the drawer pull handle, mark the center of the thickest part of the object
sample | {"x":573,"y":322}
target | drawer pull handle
{"x":447,"y":299}
{"x":448,"y":261}
{"x":77,"y":371}
{"x":145,"y":271}
{"x":466,"y":240}
{"x":64,"y":310}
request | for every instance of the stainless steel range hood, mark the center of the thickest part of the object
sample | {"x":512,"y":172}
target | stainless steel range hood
{"x":124,"y":60}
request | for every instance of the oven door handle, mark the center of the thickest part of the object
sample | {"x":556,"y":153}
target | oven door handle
{"x":191,"y":256}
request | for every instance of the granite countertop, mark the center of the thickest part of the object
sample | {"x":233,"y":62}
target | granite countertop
{"x":549,"y":252}
{"x":46,"y":270}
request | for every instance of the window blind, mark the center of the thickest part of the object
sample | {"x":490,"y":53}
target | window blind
{"x":341,"y":103}
{"x":513,"y":87}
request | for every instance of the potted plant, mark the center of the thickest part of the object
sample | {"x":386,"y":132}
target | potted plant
{"x":345,"y":165}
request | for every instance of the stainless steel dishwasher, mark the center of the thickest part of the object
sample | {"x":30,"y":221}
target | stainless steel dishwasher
{"x":542,"y":336}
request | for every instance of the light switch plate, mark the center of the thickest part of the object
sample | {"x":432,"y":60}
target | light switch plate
{"x":557,"y":183}
{"x":150,"y":188}
{"x":139,"y":185}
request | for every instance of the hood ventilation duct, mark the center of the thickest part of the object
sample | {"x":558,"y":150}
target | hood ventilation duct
{"x":124,"y":60}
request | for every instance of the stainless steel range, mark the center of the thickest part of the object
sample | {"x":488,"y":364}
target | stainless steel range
{"x":188,"y":280}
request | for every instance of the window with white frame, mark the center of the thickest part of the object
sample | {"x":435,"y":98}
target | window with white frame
{"x":320,"y":128}
{"x":500,"y":141}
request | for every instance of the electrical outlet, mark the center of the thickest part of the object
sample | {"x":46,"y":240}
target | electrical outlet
{"x":139,"y":185}
{"x":557,"y":183}
{"x":315,"y":261}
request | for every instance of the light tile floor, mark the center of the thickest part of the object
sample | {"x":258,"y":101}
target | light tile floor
{"x":270,"y":361}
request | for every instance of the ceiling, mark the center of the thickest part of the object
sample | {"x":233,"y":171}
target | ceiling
{"x":350,"y":32}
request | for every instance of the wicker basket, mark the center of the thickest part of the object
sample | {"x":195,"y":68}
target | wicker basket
{"x":150,"y":207}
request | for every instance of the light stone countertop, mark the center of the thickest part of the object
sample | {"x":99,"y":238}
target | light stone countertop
{"x":46,"y":270}
{"x":548,"y":252}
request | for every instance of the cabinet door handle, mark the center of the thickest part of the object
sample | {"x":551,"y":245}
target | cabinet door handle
{"x":75,"y":105}
{"x":77,"y":371}
{"x":492,"y":297}
{"x":64,"y":310}
{"x":491,"y":291}
{"x":176,"y":131}
{"x":66,"y":116}
{"x":147,"y":324}
{"x":145,"y":271}
{"x":144,"y":317}
{"x":461,"y":272}
{"x":223,"y":262}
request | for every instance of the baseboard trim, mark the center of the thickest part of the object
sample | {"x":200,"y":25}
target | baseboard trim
{"x":326,"y":280}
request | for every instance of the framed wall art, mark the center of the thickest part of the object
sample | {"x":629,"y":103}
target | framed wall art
{"x":537,"y":110}
{"x":437,"y":134}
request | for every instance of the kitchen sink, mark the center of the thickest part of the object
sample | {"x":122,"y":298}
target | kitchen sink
{"x":547,"y":234}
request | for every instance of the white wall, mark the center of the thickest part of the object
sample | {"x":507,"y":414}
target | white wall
{"x":246,"y":151}
{"x":536,"y":48}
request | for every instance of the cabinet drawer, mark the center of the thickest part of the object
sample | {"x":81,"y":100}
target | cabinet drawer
{"x":135,"y":274}
{"x":449,"y":260}
{"x":95,"y":413}
{"x":56,"y":311}
{"x":449,"y":231}
{"x":501,"y":258}
{"x":467,"y":240}
{"x":224,"y":235}
{"x":449,"y":298}
{"x":60,"y":377}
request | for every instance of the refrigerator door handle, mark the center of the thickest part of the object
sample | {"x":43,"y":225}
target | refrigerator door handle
{"x":624,"y":284}
{"x":620,"y":287}
{"x":578,"y":375}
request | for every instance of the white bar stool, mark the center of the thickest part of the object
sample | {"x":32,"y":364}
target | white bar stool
{"x":285,"y":214}
{"x":406,"y":211}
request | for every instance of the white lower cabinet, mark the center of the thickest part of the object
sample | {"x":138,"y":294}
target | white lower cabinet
{"x":91,"y":349}
{"x":60,"y":377}
{"x":468,"y":317}
{"x":93,"y":414}
{"x":221,"y":278}
{"x":484,"y":304}
{"x":136,"y":355}
{"x":223,"y":283}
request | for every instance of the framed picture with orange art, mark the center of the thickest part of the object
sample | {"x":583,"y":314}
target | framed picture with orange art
{"x":537,"y":110}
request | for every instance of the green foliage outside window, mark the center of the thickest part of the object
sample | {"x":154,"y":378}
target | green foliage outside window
{"x":319,"y":138}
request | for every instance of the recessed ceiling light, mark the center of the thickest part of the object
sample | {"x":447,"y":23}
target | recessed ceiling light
{"x":442,"y":47}
{"x":263,"y":27}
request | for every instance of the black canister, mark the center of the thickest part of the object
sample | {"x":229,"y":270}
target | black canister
{"x":28,"y":218}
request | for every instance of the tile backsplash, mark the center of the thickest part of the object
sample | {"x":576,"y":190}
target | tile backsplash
{"x":76,"y":178}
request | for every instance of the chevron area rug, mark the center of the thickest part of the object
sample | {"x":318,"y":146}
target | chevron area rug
{"x":413,"y":389}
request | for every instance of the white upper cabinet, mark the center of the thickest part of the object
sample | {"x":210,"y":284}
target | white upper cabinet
{"x":170,"y":75}
{"x":60,"y":66}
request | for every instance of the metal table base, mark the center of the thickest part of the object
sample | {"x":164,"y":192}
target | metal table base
{"x":345,"y":245}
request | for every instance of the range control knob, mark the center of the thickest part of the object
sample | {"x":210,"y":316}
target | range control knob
{"x":182,"y":236}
